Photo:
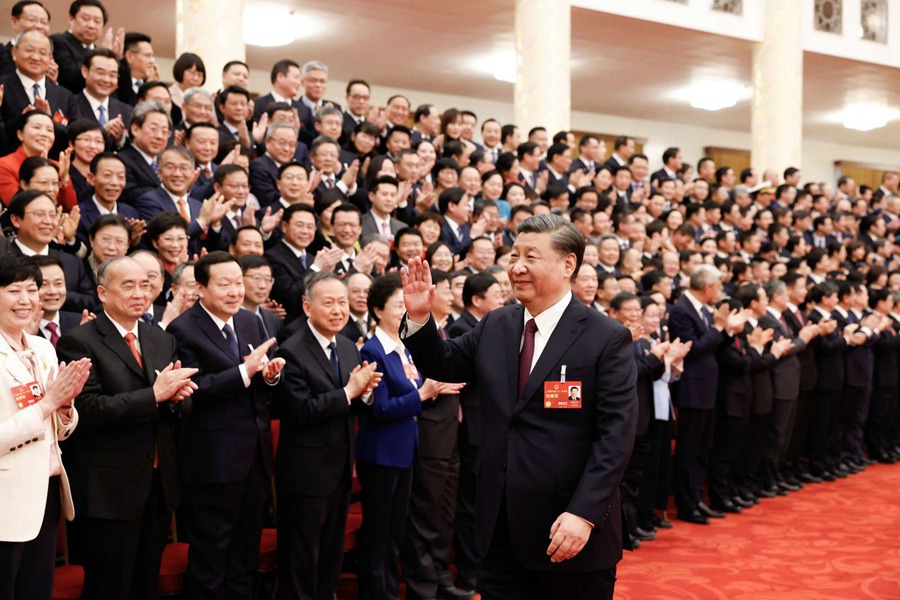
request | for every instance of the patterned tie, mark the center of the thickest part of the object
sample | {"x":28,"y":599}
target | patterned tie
{"x":155,"y":166}
{"x":137,"y":85}
{"x":37,"y":91}
{"x":526,"y":355}
{"x":183,"y":210}
{"x":335,"y":363}
{"x":232,"y":341}
{"x":129,"y":339}
{"x":147,"y":318}
{"x":329,"y":183}
{"x":385,"y":229}
{"x":101,"y":114}
{"x":303,"y":260}
{"x":54,"y":333}
{"x":707,"y":317}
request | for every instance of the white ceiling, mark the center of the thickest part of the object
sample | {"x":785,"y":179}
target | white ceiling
{"x":620,"y":66}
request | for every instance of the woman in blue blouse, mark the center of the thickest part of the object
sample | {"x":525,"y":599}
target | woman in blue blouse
{"x":387,"y":440}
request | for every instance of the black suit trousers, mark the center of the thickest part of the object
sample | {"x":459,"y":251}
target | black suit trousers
{"x":798,"y":447}
{"x":881,"y":416}
{"x":385,"y":504}
{"x":26,"y":568}
{"x":311,"y":542}
{"x":825,"y":404}
{"x":464,"y":533}
{"x":656,"y":479}
{"x":223,"y":522}
{"x":122,"y":558}
{"x":778,"y":431}
{"x":429,"y":529}
{"x":502,"y":577}
{"x":630,"y":488}
{"x":692,"y":449}
{"x":729,"y":437}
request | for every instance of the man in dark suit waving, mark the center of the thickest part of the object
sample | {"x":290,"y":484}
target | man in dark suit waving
{"x":123,"y":473}
{"x":548,"y":468}
{"x":226,"y":455}
{"x":322,"y":378}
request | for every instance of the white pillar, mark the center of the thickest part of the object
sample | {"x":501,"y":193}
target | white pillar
{"x":777,"y":122}
{"x":212,"y":29}
{"x":543,"y":52}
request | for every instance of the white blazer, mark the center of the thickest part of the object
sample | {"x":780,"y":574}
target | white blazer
{"x":25,"y":442}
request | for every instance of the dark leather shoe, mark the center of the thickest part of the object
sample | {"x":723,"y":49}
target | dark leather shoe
{"x":635,"y":543}
{"x":455,"y":593}
{"x":767,"y":494}
{"x":886,"y":459}
{"x":644,"y":535}
{"x":709,"y":513}
{"x":869,"y":461}
{"x":740,"y":502}
{"x":725,"y":506}
{"x":828,"y":476}
{"x":810,"y":478}
{"x":793,"y":481}
{"x":693,"y":516}
{"x":788,"y":487}
{"x":660,"y":523}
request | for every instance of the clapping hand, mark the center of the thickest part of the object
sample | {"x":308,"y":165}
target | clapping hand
{"x":363,"y":380}
{"x":64,"y":385}
{"x":174,"y":383}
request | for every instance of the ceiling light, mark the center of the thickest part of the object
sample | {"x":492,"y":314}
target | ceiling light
{"x":500,"y":65}
{"x":862,"y":117}
{"x":270,"y":25}
{"x":716,"y":95}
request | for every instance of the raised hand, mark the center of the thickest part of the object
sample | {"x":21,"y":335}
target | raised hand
{"x":328,"y":258}
{"x":349,"y":176}
{"x":275,"y":308}
{"x":173,"y":382}
{"x":86,"y":316}
{"x":65,"y":161}
{"x":138,"y":227}
{"x":418,"y":290}
{"x":269,"y":221}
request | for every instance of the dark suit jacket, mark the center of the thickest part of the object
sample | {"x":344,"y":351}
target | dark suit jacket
{"x":469,"y":397}
{"x":110,"y":460}
{"x":288,"y":273}
{"x":264,"y":180}
{"x":347,"y":128}
{"x":787,"y":371}
{"x":315,"y":446}
{"x":69,"y":55}
{"x":649,"y":369}
{"x":15,"y":99}
{"x":139,"y":176}
{"x":808,"y":372}
{"x":697,"y":386}
{"x":457,"y":245}
{"x":272,"y":324}
{"x":308,"y":119}
{"x":388,"y":434}
{"x":829,"y":351}
{"x":859,"y":360}
{"x":542,"y":462}
{"x":229,"y":423}
{"x":90,"y":213}
{"x":152,"y":202}
{"x":79,"y":291}
{"x":203,"y":189}
{"x":6,"y":60}
{"x":761,"y":375}
{"x":887,"y":353}
{"x":116,"y":108}
{"x":658,"y":176}
{"x":735,"y":358}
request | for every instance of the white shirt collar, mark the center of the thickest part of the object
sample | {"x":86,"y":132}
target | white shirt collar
{"x":28,"y":84}
{"x":698,"y":306}
{"x":774,"y":312}
{"x":839,"y":310}
{"x":95,"y":103}
{"x":122,"y":331}
{"x":272,"y":158}
{"x":792,"y":307}
{"x":146,"y":156}
{"x":390,"y":345}
{"x":279,"y":98}
{"x":323,"y":341}
{"x":45,"y":251}
{"x":546,"y":321}
{"x":104,"y":211}
{"x":55,"y":319}
{"x":379,"y":222}
{"x":297,"y":251}
{"x":314,"y":106}
{"x":823,"y":312}
{"x":219,"y":322}
{"x":175,"y":198}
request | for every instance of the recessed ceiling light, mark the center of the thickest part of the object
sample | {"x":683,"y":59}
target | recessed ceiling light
{"x":270,"y":25}
{"x":714,"y":96}
{"x":863,"y":117}
{"x":500,"y":65}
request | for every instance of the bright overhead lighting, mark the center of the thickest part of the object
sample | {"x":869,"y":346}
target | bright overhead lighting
{"x":716,"y":95}
{"x":862,"y":117}
{"x":269,"y":25}
{"x":500,"y":65}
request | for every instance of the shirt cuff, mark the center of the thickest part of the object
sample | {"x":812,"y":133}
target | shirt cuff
{"x":585,"y":520}
{"x":244,"y":375}
{"x":412,"y":327}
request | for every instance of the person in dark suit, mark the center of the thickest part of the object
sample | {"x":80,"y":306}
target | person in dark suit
{"x":96,"y":101}
{"x":32,"y":55}
{"x":226,"y":454}
{"x":107,"y":178}
{"x":323,"y":384}
{"x":383,"y":199}
{"x":543,"y":474}
{"x":281,"y":142}
{"x":359,"y":95}
{"x":123,"y":473}
{"x":453,"y":204}
{"x":150,"y":127}
{"x":691,"y":321}
{"x":286,"y":83}
{"x":887,"y":376}
{"x":314,"y":77}
{"x":387,"y":441}
{"x":481,"y":294}
{"x":55,"y":322}
{"x":87,"y":19}
{"x":33,"y":237}
{"x":257,"y":287}
{"x":136,"y":68}
{"x":25,"y":15}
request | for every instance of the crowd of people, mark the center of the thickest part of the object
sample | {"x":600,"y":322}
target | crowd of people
{"x":210,"y":265}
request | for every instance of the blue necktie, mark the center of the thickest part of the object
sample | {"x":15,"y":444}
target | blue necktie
{"x":37,"y":92}
{"x":335,"y":364}
{"x":101,"y":110}
{"x":707,"y":317}
{"x":303,"y":260}
{"x":147,"y":318}
{"x":232,"y":341}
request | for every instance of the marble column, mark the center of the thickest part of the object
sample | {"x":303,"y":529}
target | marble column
{"x":777,"y":121}
{"x":543,"y":52}
{"x":212,"y":29}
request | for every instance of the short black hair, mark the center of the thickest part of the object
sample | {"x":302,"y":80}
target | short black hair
{"x":225,"y":170}
{"x":202,"y":268}
{"x":95,"y":162}
{"x":621,"y":298}
{"x":669,"y":154}
{"x":252,"y":261}
{"x":477,"y":284}
{"x":232,"y":63}
{"x":185,"y":62}
{"x":31,"y":164}
{"x":507,"y":131}
{"x":353,"y":82}
{"x":80,"y":126}
{"x":21,"y":200}
{"x":19,"y":7}
{"x":454,"y":195}
{"x":16,"y":269}
{"x":109,"y":220}
{"x":556,"y":150}
{"x":231,"y":89}
{"x":346,"y":207}
{"x":293,"y":209}
{"x":79,"y":4}
{"x":132,"y":38}
{"x":288,"y":165}
{"x":381,"y":290}
{"x":525,"y":148}
{"x":163,"y":222}
{"x":188,"y":134}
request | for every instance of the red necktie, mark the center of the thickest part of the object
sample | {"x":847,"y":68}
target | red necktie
{"x":129,"y":339}
{"x":54,"y":333}
{"x":526,"y":355}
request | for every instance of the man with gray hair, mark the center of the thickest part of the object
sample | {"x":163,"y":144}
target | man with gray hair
{"x":314,"y":76}
{"x":692,"y":320}
{"x":281,"y":146}
{"x":553,"y":342}
{"x":197,"y":106}
{"x":150,"y":128}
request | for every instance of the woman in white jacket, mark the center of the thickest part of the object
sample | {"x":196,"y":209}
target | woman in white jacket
{"x":36,"y":413}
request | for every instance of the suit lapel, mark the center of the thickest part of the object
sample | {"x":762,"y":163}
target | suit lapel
{"x":319,"y":354}
{"x":208,"y":327}
{"x":513,"y":329}
{"x":565,"y":334}
{"x":116,"y":343}
{"x":148,"y":352}
{"x":17,"y":91}
{"x":13,"y":365}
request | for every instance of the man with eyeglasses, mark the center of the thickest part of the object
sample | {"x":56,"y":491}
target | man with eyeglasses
{"x":107,"y":178}
{"x":137,"y":67}
{"x":257,"y":289}
{"x":29,"y":84}
{"x":150,"y":127}
{"x":232,"y":184}
{"x":96,"y":101}
{"x":25,"y":15}
{"x":281,"y":146}
{"x":359,"y":94}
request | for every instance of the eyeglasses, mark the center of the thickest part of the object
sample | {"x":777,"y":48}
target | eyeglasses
{"x":260,"y":279}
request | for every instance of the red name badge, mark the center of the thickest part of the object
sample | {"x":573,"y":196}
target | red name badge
{"x":410,"y":371}
{"x":558,"y":394}
{"x":26,"y":395}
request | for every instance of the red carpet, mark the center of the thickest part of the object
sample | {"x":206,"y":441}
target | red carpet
{"x":827,"y":541}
